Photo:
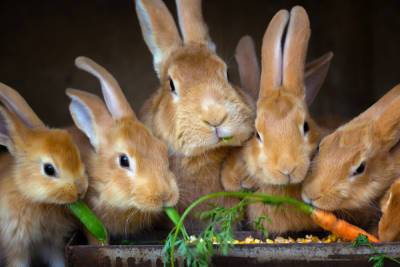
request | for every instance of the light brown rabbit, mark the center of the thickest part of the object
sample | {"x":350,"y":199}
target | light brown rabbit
{"x":389,"y":224}
{"x":196,"y":111}
{"x":357,"y":163}
{"x":42,"y":172}
{"x":129,"y":177}
{"x":277,"y":159}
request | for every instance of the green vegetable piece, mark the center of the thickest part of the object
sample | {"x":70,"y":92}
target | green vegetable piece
{"x":174,"y":216}
{"x":227,"y":138}
{"x":89,"y":220}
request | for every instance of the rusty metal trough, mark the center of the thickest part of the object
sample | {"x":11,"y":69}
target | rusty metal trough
{"x":312,"y":254}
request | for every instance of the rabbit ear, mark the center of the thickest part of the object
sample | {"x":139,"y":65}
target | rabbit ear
{"x":386,"y":120}
{"x":249,"y":69}
{"x":11,"y":130}
{"x":315,"y":75}
{"x":112,"y":92}
{"x":271,"y":54}
{"x":294,"y":55}
{"x":14,"y":102}
{"x":192,"y":24}
{"x":89,"y":114}
{"x":159,"y":30}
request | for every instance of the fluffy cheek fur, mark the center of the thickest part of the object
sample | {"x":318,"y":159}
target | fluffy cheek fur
{"x":257,"y":161}
{"x":192,"y":136}
{"x":152,"y":197}
{"x":262,"y":166}
{"x":335,"y":190}
{"x":43,"y":189}
{"x":117,"y":188}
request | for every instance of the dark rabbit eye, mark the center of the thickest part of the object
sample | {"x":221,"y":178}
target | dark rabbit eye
{"x":258,"y":136}
{"x":124,"y":161}
{"x":306,"y":128}
{"x":360,"y":169}
{"x":172,"y":86}
{"x":49,"y":170}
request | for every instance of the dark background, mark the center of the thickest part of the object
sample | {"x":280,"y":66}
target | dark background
{"x":40,"y":39}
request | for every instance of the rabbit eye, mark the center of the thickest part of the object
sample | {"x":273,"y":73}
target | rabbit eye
{"x":49,"y":169}
{"x":306,"y":128}
{"x":172,"y":86}
{"x":360,"y":169}
{"x":258,"y":136}
{"x":124,"y":161}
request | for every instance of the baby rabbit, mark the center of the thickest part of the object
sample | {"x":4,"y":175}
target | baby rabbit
{"x":42,"y":172}
{"x":357,"y":163}
{"x":196,"y":111}
{"x":277,"y":159}
{"x":129,"y":177}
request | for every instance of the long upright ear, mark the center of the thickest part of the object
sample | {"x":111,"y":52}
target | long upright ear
{"x":192,"y":24}
{"x":295,"y":51}
{"x":379,"y":106}
{"x":159,"y":30}
{"x":315,"y":75}
{"x":249,"y":70}
{"x":386,"y":123}
{"x":114,"y":97}
{"x":11,"y":130}
{"x":17,"y":104}
{"x":89,"y":114}
{"x":271,"y":54}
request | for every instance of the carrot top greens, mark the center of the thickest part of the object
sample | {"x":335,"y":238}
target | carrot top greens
{"x":379,"y":258}
{"x":221,"y":221}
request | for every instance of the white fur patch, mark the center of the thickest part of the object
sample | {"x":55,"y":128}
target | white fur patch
{"x":206,"y":103}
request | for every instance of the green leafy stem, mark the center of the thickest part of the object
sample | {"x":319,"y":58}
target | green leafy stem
{"x":266,"y":199}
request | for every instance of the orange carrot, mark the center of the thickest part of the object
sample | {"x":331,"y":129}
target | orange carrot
{"x":341,"y":228}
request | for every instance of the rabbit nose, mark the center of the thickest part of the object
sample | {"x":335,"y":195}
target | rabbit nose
{"x":215,"y":116}
{"x":287,"y":171}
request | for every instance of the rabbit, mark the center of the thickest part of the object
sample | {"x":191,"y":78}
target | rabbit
{"x":357,"y":163}
{"x":195,"y":111}
{"x":41,"y":173}
{"x":389,"y":223}
{"x":276,"y":160}
{"x":129,"y":177}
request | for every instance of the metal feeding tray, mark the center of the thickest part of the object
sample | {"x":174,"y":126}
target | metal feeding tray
{"x":282,"y":255}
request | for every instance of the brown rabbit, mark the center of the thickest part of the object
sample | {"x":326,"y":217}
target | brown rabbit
{"x":277,"y":159}
{"x":196,"y":111}
{"x":42,"y":172}
{"x":129,"y":177}
{"x":389,"y":224}
{"x":357,"y":163}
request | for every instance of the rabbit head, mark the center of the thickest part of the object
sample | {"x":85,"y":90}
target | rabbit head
{"x":198,"y":109}
{"x":286,"y":135}
{"x":48,"y":167}
{"x":357,"y":162}
{"x":130,"y":167}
